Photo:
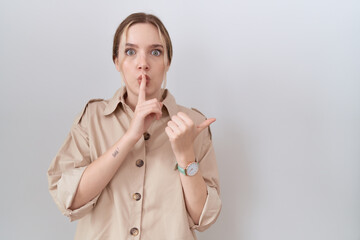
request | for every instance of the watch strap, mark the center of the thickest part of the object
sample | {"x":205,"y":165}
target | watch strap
{"x":183,"y":170}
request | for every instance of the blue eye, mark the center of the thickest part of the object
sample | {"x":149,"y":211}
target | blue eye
{"x":156,"y":52}
{"x":130,"y":52}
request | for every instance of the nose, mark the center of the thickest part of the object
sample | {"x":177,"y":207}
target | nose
{"x":142,"y":63}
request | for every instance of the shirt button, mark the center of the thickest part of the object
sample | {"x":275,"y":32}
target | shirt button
{"x":146,"y":136}
{"x":139,"y":163}
{"x":134,"y":231}
{"x":137,"y":196}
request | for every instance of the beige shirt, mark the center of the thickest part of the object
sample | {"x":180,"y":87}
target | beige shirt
{"x":144,"y":199}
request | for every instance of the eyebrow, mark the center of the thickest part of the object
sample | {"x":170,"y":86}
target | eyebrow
{"x":136,"y":46}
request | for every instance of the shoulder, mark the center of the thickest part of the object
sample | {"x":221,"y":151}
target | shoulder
{"x":173,"y":108}
{"x":96,"y":104}
{"x":92,"y":107}
{"x":193,"y":113}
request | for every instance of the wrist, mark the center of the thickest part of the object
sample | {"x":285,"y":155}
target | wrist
{"x":132,"y":139}
{"x":190,"y":170}
{"x":185,"y":158}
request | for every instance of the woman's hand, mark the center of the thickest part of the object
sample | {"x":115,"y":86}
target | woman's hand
{"x":182,"y":133}
{"x":145,"y":112}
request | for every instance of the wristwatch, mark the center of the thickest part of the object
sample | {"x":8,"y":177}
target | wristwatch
{"x":190,"y":170}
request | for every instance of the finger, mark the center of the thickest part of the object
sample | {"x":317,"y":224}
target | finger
{"x":153,"y":116}
{"x":170,"y":133}
{"x":185,"y":118}
{"x":145,"y":112}
{"x":158,"y":116}
{"x":150,"y":110}
{"x":179,"y":122}
{"x":142,"y":92}
{"x":205,"y":124}
{"x":148,"y":102}
{"x":174,"y":127}
{"x":153,"y":104}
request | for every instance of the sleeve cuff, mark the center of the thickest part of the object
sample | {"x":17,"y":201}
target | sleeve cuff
{"x":67,"y":187}
{"x":210,"y":211}
{"x":82,"y":211}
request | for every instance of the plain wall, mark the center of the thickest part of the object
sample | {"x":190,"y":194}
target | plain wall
{"x":281,"y":77}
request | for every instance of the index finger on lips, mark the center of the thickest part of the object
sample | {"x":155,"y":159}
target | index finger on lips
{"x":142,"y":92}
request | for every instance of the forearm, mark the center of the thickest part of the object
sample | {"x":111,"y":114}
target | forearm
{"x":182,"y":133}
{"x":99,"y":173}
{"x":195,"y":190}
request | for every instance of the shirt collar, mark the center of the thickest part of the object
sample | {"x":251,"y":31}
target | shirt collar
{"x":119,"y":97}
{"x":115,"y":100}
{"x":170,"y":103}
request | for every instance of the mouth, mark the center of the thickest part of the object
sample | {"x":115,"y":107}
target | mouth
{"x":147,"y":79}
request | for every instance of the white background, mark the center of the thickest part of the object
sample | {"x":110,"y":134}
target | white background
{"x":281,"y":77}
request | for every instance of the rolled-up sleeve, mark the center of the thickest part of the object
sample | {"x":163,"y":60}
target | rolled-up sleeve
{"x":209,"y":170}
{"x":67,"y":167}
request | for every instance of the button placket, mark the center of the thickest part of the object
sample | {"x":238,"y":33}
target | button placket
{"x":136,"y":196}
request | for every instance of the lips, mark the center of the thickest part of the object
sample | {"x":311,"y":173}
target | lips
{"x":147,"y":79}
{"x":146,"y":76}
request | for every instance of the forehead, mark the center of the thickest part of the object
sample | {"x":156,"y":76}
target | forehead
{"x":143,"y":34}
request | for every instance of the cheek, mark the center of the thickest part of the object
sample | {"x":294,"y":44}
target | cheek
{"x":126,"y":66}
{"x":159,"y":66}
{"x":127,"y":72}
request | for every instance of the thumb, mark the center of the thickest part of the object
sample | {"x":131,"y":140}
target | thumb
{"x":205,"y":124}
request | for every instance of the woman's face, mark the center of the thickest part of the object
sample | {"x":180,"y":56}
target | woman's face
{"x":144,"y":54}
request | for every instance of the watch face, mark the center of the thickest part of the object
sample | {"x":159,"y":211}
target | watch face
{"x":192,"y":169}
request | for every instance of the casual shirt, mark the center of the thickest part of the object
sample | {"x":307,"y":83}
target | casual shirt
{"x":144,"y":199}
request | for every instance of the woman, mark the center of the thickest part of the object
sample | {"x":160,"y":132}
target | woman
{"x":138,"y":165}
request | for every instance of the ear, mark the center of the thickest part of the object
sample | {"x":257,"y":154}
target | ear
{"x":117,"y":64}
